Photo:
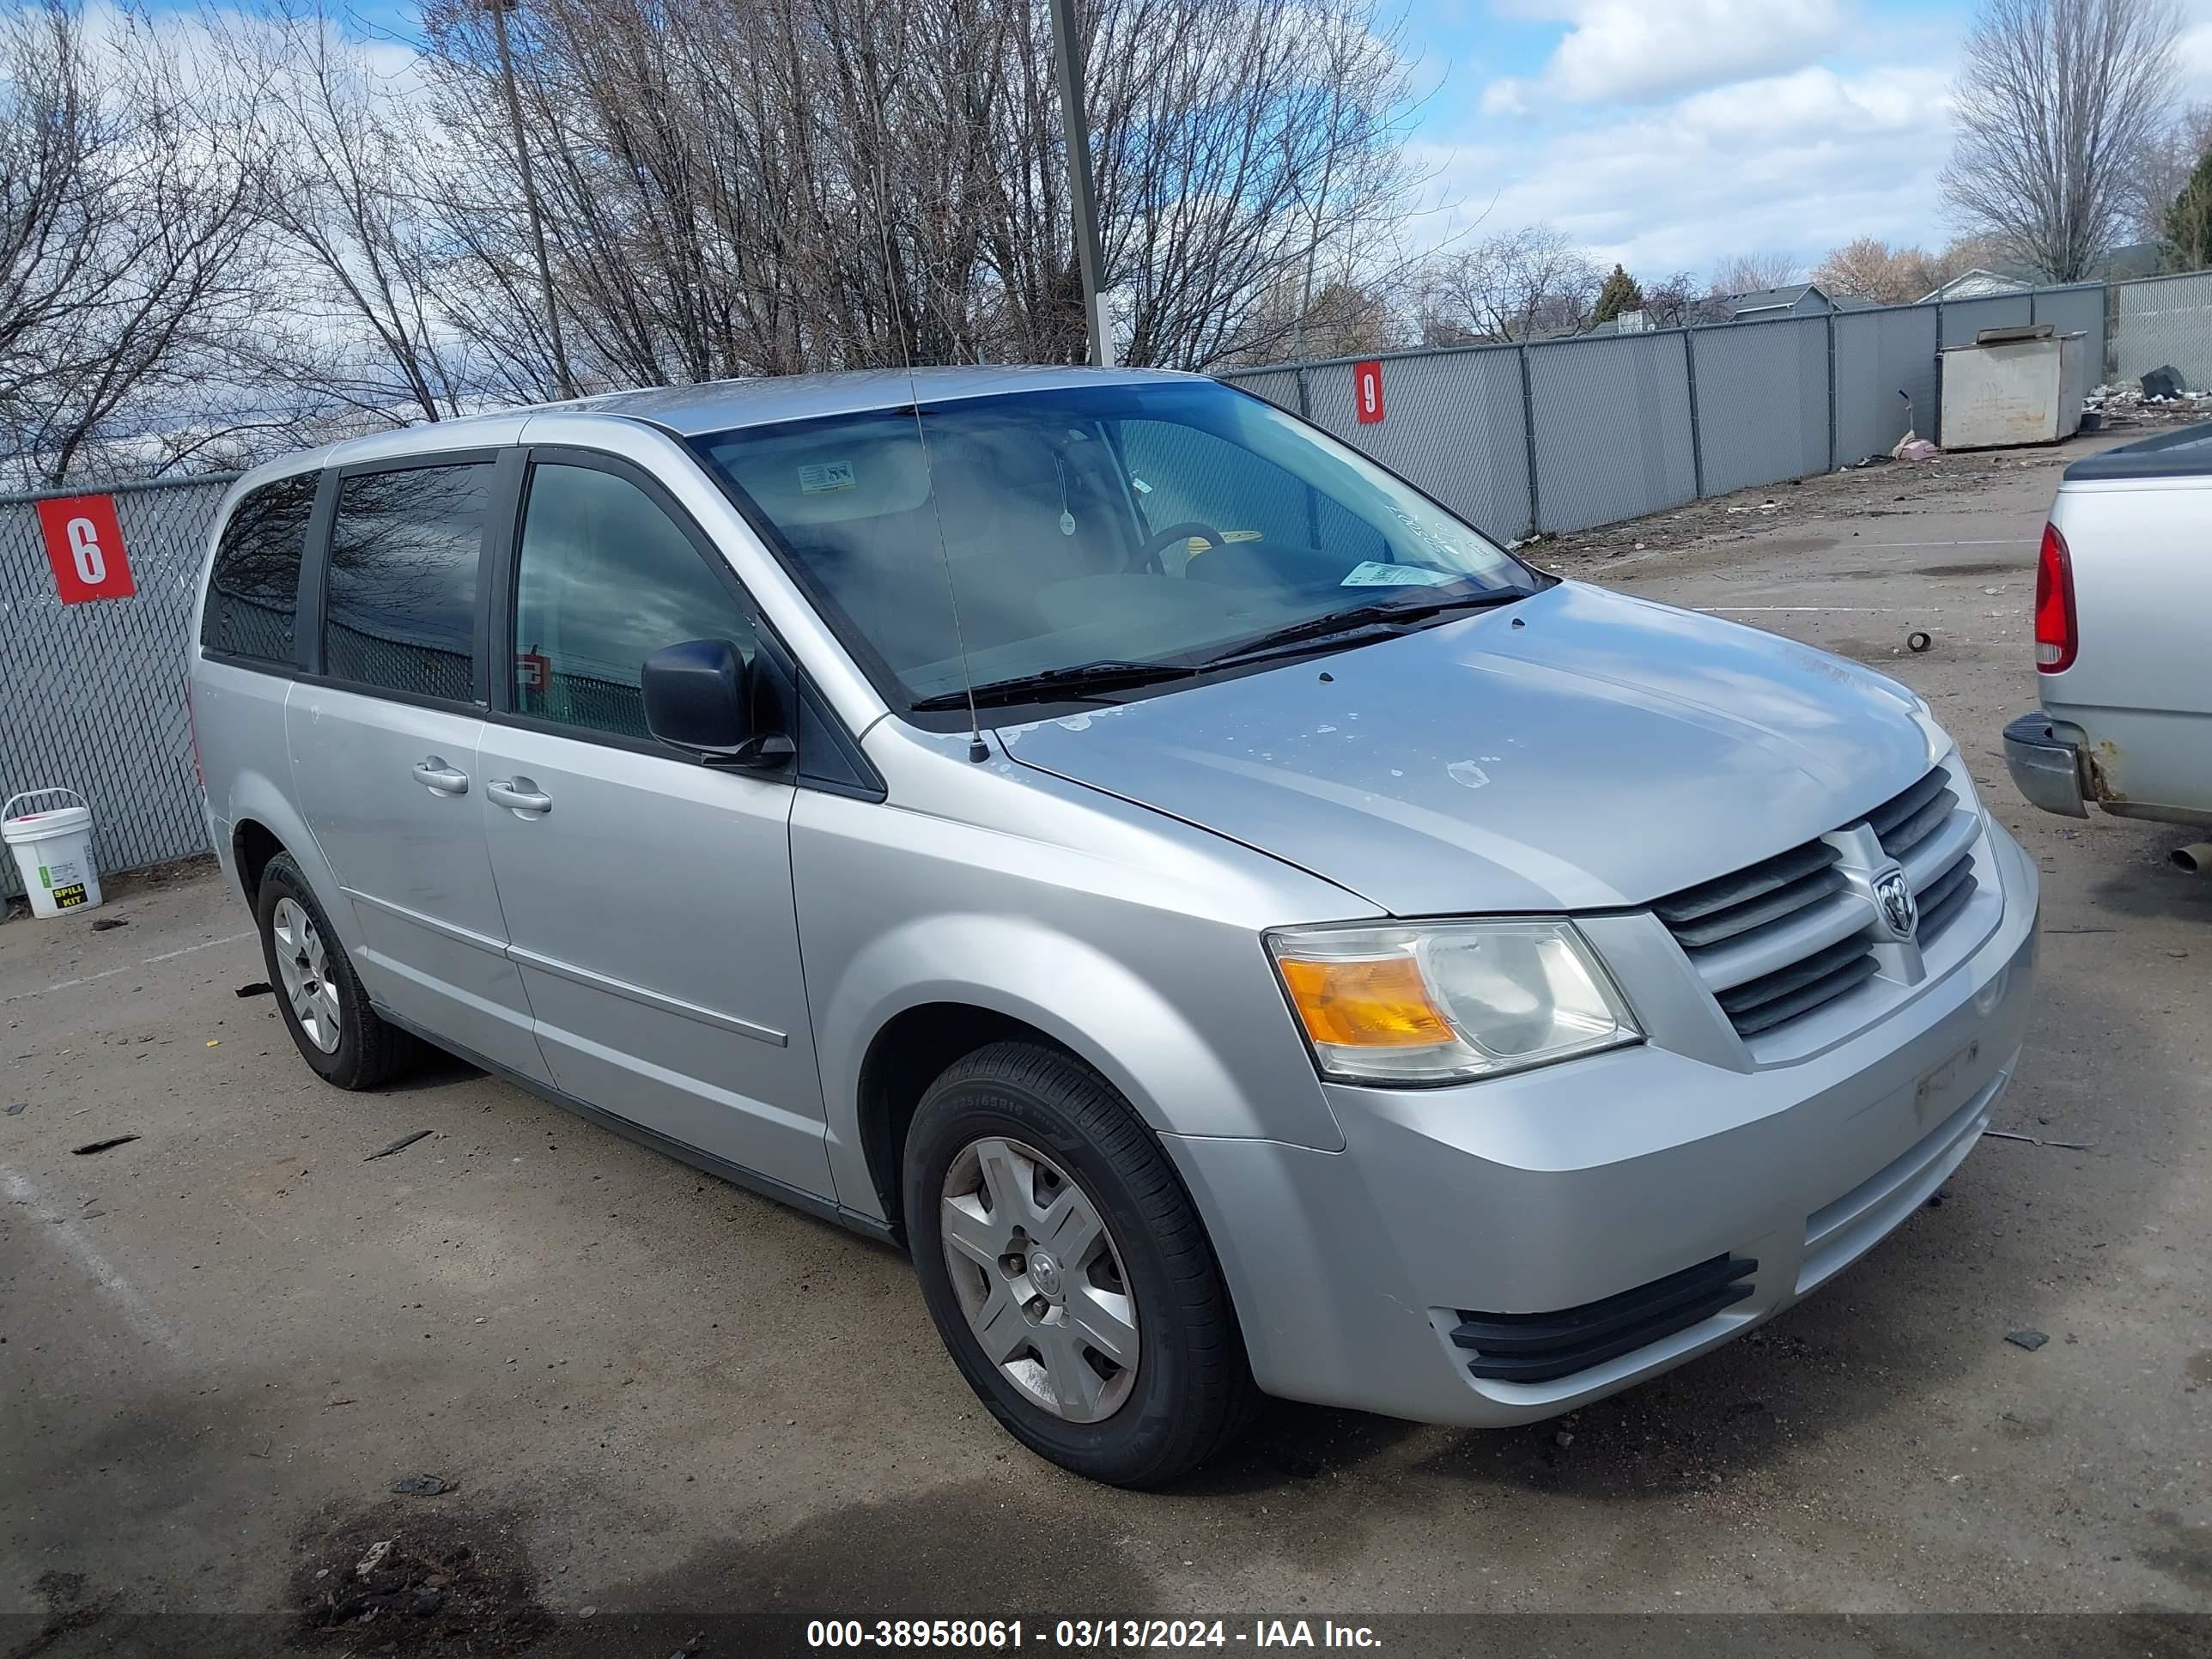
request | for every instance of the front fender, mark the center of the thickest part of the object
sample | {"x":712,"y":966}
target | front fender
{"x":1180,"y":1080}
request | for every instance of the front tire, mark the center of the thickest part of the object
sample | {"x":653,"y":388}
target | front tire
{"x":319,"y":996}
{"x":1067,"y":1272}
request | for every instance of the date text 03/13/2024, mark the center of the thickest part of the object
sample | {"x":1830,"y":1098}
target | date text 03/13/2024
{"x":1008,"y":1635}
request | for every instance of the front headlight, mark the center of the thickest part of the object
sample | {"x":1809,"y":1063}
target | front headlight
{"x":1440,"y":1002}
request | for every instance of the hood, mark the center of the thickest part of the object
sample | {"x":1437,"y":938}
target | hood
{"x":1577,"y":751}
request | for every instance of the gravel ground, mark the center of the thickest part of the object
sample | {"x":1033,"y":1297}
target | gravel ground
{"x":654,"y":1396}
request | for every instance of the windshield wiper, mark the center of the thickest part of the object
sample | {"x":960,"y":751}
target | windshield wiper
{"x":1075,"y":682}
{"x":1379,"y":614}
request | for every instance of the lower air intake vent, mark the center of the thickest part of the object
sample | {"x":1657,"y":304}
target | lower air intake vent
{"x":1538,"y":1347}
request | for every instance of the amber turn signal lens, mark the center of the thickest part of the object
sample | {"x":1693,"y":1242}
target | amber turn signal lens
{"x":1376,"y":1003}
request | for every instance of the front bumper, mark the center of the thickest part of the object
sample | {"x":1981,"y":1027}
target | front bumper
{"x":2045,"y":767}
{"x":1520,"y":1202}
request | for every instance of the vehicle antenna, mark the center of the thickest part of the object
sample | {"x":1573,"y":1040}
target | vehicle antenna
{"x":977,"y":749}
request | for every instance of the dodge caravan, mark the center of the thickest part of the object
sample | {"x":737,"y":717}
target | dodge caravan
{"x":1240,"y":930}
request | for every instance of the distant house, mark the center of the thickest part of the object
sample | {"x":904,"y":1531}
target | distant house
{"x":1798,"y":299}
{"x":2121,"y":265}
{"x":1980,"y":284}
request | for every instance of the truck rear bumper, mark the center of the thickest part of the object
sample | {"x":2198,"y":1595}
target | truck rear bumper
{"x":2045,"y":767}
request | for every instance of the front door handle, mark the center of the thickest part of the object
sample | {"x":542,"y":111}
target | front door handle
{"x":519,"y":796}
{"x":440,"y":778}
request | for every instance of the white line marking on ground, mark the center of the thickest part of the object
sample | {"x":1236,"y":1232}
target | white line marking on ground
{"x":127,"y":968}
{"x":2008,"y":541}
{"x":204,"y":945}
{"x":76,"y":1241}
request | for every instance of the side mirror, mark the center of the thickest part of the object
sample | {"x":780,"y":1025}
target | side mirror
{"x":698,"y":695}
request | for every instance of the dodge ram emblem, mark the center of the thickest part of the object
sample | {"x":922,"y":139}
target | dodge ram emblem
{"x":1892,"y":894}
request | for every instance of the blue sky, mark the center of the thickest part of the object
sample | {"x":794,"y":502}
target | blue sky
{"x":1672,"y":134}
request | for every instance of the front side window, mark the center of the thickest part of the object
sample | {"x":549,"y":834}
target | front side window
{"x":253,"y":591}
{"x":1162,"y":526}
{"x":605,"y":579}
{"x":400,"y":602}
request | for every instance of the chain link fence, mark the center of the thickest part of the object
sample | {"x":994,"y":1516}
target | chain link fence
{"x":1567,"y":434}
{"x":2164,"y":322}
{"x":91,"y":695}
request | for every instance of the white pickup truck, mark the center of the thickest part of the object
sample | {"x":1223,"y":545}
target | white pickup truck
{"x":2123,"y":638}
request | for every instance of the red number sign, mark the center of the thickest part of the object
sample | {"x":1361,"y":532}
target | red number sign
{"x":84,"y":544}
{"x":1367,"y":391}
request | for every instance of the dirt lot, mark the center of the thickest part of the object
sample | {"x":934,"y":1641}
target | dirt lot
{"x":223,"y":1341}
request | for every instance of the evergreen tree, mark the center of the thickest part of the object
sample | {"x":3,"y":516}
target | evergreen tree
{"x":2189,"y":222}
{"x":1620,"y":293}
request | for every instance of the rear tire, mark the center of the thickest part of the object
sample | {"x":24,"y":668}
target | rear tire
{"x":1018,"y":1151}
{"x":319,"y":996}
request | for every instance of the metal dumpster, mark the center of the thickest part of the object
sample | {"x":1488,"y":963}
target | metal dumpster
{"x":2014,"y":386}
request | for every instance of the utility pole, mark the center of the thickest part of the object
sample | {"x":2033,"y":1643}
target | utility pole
{"x":568,"y":381}
{"x":1066,"y":51}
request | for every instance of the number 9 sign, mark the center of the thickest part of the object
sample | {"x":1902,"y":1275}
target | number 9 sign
{"x":84,"y":544}
{"x":1367,"y":391}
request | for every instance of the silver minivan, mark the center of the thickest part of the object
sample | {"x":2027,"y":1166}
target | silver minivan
{"x":1239,"y":929}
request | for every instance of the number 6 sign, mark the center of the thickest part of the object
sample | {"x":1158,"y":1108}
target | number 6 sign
{"x":84,"y":544}
{"x":1367,"y":391}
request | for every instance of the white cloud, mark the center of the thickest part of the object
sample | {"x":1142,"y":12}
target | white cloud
{"x":1633,"y":51}
{"x":2195,"y":52}
{"x":1800,"y":162}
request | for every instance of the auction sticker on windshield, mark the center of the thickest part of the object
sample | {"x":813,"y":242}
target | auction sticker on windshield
{"x":1369,"y":574}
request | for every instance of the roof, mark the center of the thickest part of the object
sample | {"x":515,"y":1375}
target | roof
{"x":1772,"y":299}
{"x":1972,"y":284}
{"x":717,"y":406}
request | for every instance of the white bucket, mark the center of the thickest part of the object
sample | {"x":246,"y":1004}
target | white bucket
{"x":53,"y":850}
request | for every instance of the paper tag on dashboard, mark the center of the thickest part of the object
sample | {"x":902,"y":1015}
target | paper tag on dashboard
{"x":1369,"y":574}
{"x":825,"y":475}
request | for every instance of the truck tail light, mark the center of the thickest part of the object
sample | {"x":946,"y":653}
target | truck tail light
{"x":2057,"y":630}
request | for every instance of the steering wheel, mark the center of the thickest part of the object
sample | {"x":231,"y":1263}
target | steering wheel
{"x":1148,"y":557}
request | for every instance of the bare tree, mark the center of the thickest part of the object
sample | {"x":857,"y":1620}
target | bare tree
{"x":805,"y":184}
{"x":1513,"y":286}
{"x":1868,"y":268}
{"x":126,"y":209}
{"x":1754,"y":273}
{"x":1675,"y":303}
{"x":311,"y":244}
{"x":347,"y":163}
{"x":2057,"y":102}
{"x":2160,"y":170}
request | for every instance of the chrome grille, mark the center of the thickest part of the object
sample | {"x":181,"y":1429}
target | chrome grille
{"x":1780,"y":938}
{"x":1941,"y":868}
{"x":1719,"y":910}
{"x":1767,"y":1001}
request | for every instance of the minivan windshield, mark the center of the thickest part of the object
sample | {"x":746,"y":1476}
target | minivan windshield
{"x":1096,"y":540}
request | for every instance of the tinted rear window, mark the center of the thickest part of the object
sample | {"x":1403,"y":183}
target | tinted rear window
{"x":400,"y":602}
{"x":253,"y":592}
